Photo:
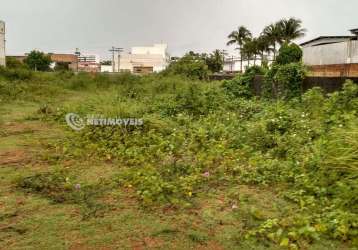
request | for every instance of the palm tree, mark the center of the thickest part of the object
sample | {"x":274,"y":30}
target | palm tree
{"x":256,"y":47}
{"x":291,"y":29}
{"x":263,"y":45}
{"x":239,"y":37}
{"x":215,"y":61}
{"x":273,"y":36}
{"x":249,"y":50}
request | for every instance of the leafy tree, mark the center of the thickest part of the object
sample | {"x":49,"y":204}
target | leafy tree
{"x":289,"y":53}
{"x":240,"y":37}
{"x":38,"y":60}
{"x":191,"y":65}
{"x":215,"y":61}
{"x":290,"y":29}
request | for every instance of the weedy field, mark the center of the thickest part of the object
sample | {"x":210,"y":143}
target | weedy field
{"x":207,"y":170}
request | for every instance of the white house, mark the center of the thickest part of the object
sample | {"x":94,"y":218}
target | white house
{"x":143,"y":60}
{"x":233,"y":64}
{"x":2,"y":44}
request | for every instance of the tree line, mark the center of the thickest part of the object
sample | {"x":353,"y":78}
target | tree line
{"x":272,"y":36}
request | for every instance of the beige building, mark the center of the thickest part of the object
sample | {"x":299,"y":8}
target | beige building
{"x":2,"y":44}
{"x":143,"y":60}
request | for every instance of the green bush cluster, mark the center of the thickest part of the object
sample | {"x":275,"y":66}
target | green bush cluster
{"x":284,"y":81}
{"x":190,"y":66}
{"x":15,"y":73}
{"x":289,"y":53}
{"x":242,"y":85}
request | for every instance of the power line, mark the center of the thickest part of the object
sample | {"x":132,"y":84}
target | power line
{"x":115,"y":50}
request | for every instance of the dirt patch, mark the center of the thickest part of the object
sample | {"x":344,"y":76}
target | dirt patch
{"x":22,"y":128}
{"x":15,"y":157}
{"x":147,"y":243}
{"x":82,"y":246}
{"x":211,"y":245}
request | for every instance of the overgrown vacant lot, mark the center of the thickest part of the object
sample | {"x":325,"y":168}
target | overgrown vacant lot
{"x":207,"y":170}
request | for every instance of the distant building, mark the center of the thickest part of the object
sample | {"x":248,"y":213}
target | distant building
{"x":143,"y":60}
{"x":70,"y":60}
{"x":354,"y":31}
{"x":88,"y":63}
{"x":332,"y":55}
{"x":2,"y":44}
{"x":233,"y":64}
{"x":88,"y":58}
{"x":89,"y":67}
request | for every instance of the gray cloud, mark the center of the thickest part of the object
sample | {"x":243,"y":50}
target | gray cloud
{"x":200,"y":25}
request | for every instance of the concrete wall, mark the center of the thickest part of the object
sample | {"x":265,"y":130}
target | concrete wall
{"x":2,"y":44}
{"x":330,"y":54}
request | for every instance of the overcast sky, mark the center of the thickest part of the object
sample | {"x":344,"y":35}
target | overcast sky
{"x":199,"y":25}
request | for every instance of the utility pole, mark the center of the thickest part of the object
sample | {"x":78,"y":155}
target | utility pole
{"x":223,"y":54}
{"x":115,"y":50}
{"x":119,"y":58}
{"x":232,"y":64}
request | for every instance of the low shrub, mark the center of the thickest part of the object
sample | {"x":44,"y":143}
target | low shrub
{"x":284,"y":81}
{"x":242,"y":85}
{"x":15,"y":73}
{"x":59,"y":187}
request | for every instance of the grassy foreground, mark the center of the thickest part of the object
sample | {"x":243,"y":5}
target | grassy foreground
{"x":207,"y":170}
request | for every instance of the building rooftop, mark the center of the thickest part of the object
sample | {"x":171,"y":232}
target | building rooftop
{"x":354,"y":31}
{"x":327,"y":40}
{"x":63,"y":57}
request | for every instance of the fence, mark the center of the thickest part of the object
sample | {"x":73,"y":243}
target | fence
{"x":328,"y":84}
